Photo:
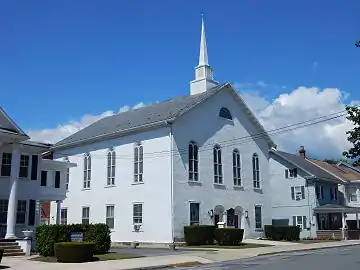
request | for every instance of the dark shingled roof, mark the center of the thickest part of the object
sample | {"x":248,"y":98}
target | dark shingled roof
{"x":305,"y":164}
{"x":146,"y":115}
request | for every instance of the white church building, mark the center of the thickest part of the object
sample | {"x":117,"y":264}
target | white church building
{"x":201,"y":159}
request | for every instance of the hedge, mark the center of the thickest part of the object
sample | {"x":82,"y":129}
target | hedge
{"x":47,"y":235}
{"x":288,"y":233}
{"x":74,"y":252}
{"x":229,"y":236}
{"x":199,"y":235}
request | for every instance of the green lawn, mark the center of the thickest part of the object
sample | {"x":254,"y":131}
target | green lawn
{"x":241,"y":246}
{"x":102,"y":257}
{"x":316,"y":241}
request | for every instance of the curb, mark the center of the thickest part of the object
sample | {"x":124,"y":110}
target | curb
{"x":307,"y":249}
{"x":164,"y":266}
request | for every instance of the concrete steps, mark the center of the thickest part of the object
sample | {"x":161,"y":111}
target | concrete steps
{"x":11,"y":248}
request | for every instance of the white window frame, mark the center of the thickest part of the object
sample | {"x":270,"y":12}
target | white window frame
{"x":217,"y":159}
{"x":111,"y":167}
{"x":300,"y":224}
{"x":25,"y":158}
{"x":87,"y":171}
{"x":86,"y":216}
{"x":193,"y":157}
{"x":298,"y":195}
{"x":21,"y":209}
{"x":63,"y":220}
{"x":291,"y":173}
{"x":257,"y":228}
{"x":138,"y":163}
{"x":256,"y":171}
{"x":138,"y":219}
{"x":237,"y":168}
{"x":110,"y":215}
{"x":5,"y":161}
{"x":352,"y":194}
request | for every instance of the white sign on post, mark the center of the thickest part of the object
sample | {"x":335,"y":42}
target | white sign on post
{"x":76,"y":236}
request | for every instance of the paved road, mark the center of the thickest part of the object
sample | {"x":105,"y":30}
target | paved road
{"x":329,"y":259}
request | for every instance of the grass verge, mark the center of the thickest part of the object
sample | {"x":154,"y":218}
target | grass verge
{"x":241,"y":246}
{"x":102,"y":257}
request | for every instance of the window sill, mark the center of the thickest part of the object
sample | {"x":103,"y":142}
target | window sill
{"x":195,"y":183}
{"x":257,"y":189}
{"x":220,"y":186}
{"x":138,"y":231}
{"x":86,"y":189}
{"x":137,"y":183}
{"x":238,"y":187}
{"x":259,"y":230}
{"x":109,"y":186}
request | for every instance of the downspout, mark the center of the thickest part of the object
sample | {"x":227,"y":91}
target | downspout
{"x":171,"y":180}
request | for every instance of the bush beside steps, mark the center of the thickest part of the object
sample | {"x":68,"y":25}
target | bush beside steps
{"x":208,"y":235}
{"x":74,"y":252}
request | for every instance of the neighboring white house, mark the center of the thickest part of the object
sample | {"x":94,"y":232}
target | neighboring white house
{"x":25,"y":179}
{"x":195,"y":159}
{"x":305,"y":194}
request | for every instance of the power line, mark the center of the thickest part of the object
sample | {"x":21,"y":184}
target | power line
{"x":235,"y":141}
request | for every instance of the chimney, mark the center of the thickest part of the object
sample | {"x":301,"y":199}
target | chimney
{"x":302,"y":151}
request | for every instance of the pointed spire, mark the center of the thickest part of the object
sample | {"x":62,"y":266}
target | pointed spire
{"x":203,"y":72}
{"x":203,"y":58}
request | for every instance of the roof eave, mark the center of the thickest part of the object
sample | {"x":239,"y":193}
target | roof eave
{"x":113,"y":135}
{"x":312,"y":176}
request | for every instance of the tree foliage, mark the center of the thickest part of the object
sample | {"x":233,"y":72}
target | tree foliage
{"x":357,"y":43}
{"x":354,"y":134}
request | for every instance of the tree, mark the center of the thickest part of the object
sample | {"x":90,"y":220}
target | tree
{"x":354,"y":134}
{"x":357,"y":43}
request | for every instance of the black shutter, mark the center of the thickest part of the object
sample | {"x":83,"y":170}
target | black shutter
{"x":32,"y":206}
{"x":303,"y":192}
{"x":57,"y":179}
{"x":292,"y":193}
{"x":34,"y":167}
{"x":304,"y":223}
{"x":43,"y":180}
{"x":295,"y":172}
{"x":294,"y":220}
{"x":286,"y":173}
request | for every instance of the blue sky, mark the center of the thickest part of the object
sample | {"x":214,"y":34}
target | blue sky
{"x":62,"y":59}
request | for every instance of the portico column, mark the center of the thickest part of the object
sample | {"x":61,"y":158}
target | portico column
{"x":12,"y":204}
{"x":343,"y":226}
{"x":58,"y":212}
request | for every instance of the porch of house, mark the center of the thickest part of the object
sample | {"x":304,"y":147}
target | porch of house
{"x":331,"y":222}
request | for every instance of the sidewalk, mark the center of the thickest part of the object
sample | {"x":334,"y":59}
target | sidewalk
{"x":21,"y":263}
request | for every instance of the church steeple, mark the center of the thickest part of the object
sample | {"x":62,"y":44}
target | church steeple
{"x":203,"y":72}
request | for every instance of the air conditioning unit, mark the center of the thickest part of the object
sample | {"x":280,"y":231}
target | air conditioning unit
{"x":137,"y":227}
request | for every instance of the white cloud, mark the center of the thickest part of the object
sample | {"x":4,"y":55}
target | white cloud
{"x":53,"y":135}
{"x":327,"y":139}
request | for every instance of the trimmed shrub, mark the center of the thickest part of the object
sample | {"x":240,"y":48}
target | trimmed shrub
{"x":74,"y":252}
{"x":229,"y":236}
{"x":277,"y":233}
{"x":1,"y":254}
{"x":199,"y":235}
{"x":47,"y":235}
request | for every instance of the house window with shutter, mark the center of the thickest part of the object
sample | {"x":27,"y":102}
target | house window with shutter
{"x":110,"y":216}
{"x":319,"y":190}
{"x":299,"y":221}
{"x":24,"y":166}
{"x":291,"y":173}
{"x":298,"y":193}
{"x":333,"y":193}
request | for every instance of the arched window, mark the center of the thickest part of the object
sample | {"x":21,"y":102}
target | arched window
{"x":87,"y":171}
{"x":218,"y":179}
{"x":256,"y":171}
{"x":236,"y":168}
{"x":225,"y":113}
{"x":193,"y":162}
{"x":111,"y":159}
{"x":138,"y":163}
